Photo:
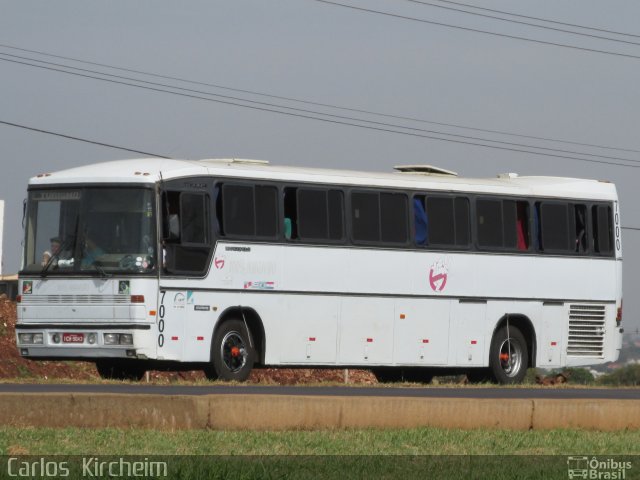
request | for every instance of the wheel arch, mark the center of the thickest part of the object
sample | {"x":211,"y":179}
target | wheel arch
{"x":525,"y":325}
{"x":253,"y":322}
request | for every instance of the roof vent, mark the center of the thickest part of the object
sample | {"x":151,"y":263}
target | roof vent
{"x":237,"y":161}
{"x":508,"y":175}
{"x":424,"y":170}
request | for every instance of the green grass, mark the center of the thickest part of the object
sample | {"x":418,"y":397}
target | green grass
{"x":325,"y":455}
{"x":419,"y":441}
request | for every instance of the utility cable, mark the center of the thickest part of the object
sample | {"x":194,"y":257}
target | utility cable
{"x":297,"y":100}
{"x":391,"y":128}
{"x":78,"y":139}
{"x":477,"y":30}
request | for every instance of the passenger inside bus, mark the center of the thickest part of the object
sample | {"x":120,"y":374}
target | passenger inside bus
{"x":421,"y":222}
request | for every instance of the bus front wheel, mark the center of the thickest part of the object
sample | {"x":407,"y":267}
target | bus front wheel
{"x":231,"y":352}
{"x":508,"y":356}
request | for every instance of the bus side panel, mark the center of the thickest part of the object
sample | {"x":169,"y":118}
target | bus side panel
{"x":421,"y":331}
{"x":366,"y":331}
{"x":309,"y":329}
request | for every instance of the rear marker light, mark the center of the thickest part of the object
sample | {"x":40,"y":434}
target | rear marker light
{"x":425,"y":340}
{"x":137,"y":298}
{"x":402,"y":316}
{"x":199,"y":338}
{"x":152,"y":313}
{"x":474,"y":342}
{"x":312,"y":339}
{"x":174,"y":338}
{"x":369,"y":340}
{"x":553,"y":344}
{"x":19,"y":299}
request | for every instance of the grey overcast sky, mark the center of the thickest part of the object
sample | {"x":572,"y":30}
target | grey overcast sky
{"x":330,"y":54}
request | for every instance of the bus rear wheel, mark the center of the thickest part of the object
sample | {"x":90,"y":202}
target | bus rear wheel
{"x":111,"y":369}
{"x":232,"y":355}
{"x":508,"y":356}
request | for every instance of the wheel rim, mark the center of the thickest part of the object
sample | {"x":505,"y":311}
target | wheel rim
{"x":510,"y":355}
{"x":234,"y":352}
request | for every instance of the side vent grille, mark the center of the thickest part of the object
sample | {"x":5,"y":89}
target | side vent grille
{"x":586,"y":330}
{"x":75,"y":299}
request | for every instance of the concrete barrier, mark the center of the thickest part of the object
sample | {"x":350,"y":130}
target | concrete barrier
{"x":284,"y":412}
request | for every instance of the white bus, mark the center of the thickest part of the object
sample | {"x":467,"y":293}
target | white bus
{"x":232,"y":264}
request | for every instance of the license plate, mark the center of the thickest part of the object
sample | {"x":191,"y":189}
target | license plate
{"x":73,"y":338}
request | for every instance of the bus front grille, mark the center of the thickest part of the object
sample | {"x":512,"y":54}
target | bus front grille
{"x":75,"y":299}
{"x":586,"y":330}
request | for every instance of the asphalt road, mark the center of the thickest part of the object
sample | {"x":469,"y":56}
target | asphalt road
{"x":426,"y":392}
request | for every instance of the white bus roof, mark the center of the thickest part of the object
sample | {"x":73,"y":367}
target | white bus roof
{"x":151,"y":170}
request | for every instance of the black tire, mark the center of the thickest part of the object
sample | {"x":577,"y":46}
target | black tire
{"x":232,"y":355}
{"x":110,"y":369}
{"x":507,"y":369}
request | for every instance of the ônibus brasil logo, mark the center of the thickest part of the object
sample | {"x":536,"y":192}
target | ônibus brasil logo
{"x":438,"y":274}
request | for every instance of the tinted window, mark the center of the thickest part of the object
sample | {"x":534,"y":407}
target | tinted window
{"x":249,"y":211}
{"x":489,"y":219}
{"x":440,"y":215}
{"x":463,"y":236}
{"x":554,"y":224}
{"x":602,"y":229}
{"x":365,"y":216}
{"x":194,"y":213}
{"x":509,"y":223}
{"x":336,"y":215}
{"x":238,"y":210}
{"x":313,"y":221}
{"x":266,"y":208}
{"x":394,"y":217}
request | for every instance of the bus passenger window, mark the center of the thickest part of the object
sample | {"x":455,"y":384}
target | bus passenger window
{"x":602,"y":229}
{"x":554,"y":226}
{"x":522,"y":225}
{"x":249,"y":210}
{"x":489,"y":222}
{"x":290,"y":214}
{"x":365,"y":216}
{"x":394,"y":218}
{"x":420,"y":221}
{"x":580,"y":212}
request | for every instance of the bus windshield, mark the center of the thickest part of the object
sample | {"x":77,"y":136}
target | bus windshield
{"x":90,"y":230}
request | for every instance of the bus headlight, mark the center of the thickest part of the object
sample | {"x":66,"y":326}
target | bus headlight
{"x":126,"y":339}
{"x":30,"y":338}
{"x":110,"y":338}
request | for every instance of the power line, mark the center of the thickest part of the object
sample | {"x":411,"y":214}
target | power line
{"x":391,"y":128}
{"x":327,"y":105}
{"x":78,"y":139}
{"x":540,"y":19}
{"x":476,"y":30}
{"x":519,"y":22}
{"x":466,"y":137}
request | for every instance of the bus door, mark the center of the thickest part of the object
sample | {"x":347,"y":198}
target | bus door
{"x":187,"y":245}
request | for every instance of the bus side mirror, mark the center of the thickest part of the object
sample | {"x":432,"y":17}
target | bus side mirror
{"x":173,"y":227}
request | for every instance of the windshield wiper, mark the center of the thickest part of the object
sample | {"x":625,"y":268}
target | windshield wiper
{"x":101,"y":270}
{"x":54,"y":256}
